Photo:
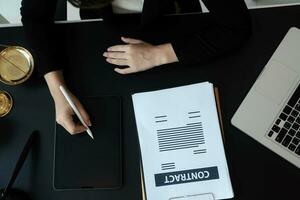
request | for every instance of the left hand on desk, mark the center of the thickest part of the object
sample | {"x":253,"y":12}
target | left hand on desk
{"x":139,"y":55}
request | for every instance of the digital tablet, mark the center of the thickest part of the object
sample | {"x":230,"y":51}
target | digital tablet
{"x":83,"y":163}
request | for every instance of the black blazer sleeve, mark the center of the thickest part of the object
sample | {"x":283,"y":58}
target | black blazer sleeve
{"x":38,"y":23}
{"x":223,"y":29}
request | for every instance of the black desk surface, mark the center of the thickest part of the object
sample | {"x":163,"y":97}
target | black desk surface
{"x":256,"y":172}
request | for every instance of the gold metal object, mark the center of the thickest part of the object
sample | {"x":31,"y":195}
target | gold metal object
{"x":16,"y":65}
{"x":6,"y":103}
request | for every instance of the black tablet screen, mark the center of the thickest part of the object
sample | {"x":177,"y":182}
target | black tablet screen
{"x":81,"y":162}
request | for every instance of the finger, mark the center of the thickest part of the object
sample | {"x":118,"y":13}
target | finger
{"x":116,"y":55}
{"x":71,"y":127}
{"x":118,"y":48}
{"x":131,"y":40}
{"x":124,"y":71}
{"x":118,"y":62}
{"x":84,"y":114}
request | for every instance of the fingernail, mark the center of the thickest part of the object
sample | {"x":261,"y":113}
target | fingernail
{"x":89,"y":123}
{"x":104,"y":54}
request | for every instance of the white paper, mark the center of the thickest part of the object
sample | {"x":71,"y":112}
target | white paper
{"x":181,"y":143}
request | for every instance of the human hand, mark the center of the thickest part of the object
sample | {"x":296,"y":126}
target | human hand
{"x":64,"y":112}
{"x":139,"y":55}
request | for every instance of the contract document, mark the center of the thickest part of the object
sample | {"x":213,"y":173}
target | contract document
{"x":181,"y":143}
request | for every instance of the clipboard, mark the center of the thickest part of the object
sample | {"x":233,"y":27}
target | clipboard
{"x":205,"y":196}
{"x":218,"y":103}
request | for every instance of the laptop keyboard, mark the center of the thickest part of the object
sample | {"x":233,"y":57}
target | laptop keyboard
{"x":286,"y":129}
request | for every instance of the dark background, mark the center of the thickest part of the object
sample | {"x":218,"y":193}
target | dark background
{"x":256,"y":172}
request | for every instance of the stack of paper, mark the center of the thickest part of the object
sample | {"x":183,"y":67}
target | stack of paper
{"x":181,"y":143}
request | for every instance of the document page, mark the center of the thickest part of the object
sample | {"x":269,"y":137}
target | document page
{"x":181,"y":143}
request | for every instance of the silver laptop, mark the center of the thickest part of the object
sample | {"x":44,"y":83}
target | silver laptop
{"x":270,"y":113}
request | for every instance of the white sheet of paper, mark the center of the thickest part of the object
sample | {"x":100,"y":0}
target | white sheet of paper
{"x":181,"y":143}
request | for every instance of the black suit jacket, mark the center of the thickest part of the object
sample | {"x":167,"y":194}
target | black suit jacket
{"x":224,"y":29}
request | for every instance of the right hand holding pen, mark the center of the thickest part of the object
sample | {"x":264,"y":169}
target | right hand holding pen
{"x":64,"y":114}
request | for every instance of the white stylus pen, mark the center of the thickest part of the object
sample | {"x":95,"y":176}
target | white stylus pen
{"x":74,"y":108}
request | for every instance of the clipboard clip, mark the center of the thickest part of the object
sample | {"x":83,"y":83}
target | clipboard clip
{"x":205,"y":196}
